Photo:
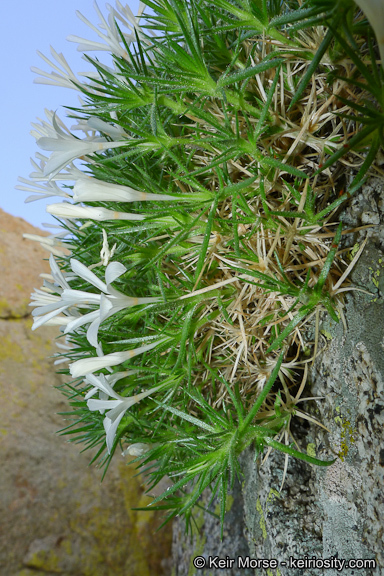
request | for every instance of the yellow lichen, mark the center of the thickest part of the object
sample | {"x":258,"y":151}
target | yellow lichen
{"x":4,"y":308}
{"x":327,"y":334}
{"x":10,"y":350}
{"x":271,"y":496}
{"x":354,"y":251}
{"x":270,"y":573}
{"x":311,"y":450}
{"x":346,"y":434}
{"x":263,"y":527}
{"x":47,"y":560}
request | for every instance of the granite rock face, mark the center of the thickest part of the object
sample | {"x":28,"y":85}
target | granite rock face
{"x":56,"y":517}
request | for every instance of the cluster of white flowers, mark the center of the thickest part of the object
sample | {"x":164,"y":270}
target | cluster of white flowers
{"x":66,"y":308}
{"x":109,"y":301}
{"x":56,"y":303}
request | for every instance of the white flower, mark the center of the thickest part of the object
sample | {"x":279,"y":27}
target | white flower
{"x":62,"y":74}
{"x":88,"y":365}
{"x":46,"y":190}
{"x":39,"y":173}
{"x":125,"y":15}
{"x":110,"y":301}
{"x":117,"y":407}
{"x":65,"y":79}
{"x":49,"y":129}
{"x":126,"y":18}
{"x":48,"y":305}
{"x":137,"y":449}
{"x":66,"y":149}
{"x":111,"y":380}
{"x":111,"y":40}
{"x":96,"y":124}
{"x":374,"y":11}
{"x":88,"y":189}
{"x":66,"y":210}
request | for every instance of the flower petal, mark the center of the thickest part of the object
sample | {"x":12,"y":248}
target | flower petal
{"x":79,"y":297}
{"x":101,"y":383}
{"x":110,"y":428}
{"x":106,"y":307}
{"x":86,"y":365}
{"x":102,"y":404}
{"x":113,"y":271}
{"x":77,"y":322}
{"x":86,"y":274}
{"x":40,"y":320}
{"x":93,"y":330}
{"x":57,"y":273}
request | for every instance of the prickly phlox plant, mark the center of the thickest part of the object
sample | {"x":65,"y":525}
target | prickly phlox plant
{"x":200,"y":185}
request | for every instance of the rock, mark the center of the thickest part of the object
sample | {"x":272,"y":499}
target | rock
{"x":21,"y":262}
{"x":55,"y":514}
{"x":335,"y":512}
{"x":205,"y":539}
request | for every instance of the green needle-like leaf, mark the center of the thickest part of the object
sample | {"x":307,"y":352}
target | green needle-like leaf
{"x":296,"y":454}
{"x":312,"y":68}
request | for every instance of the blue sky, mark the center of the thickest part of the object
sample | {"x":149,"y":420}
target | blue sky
{"x":35,"y":25}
